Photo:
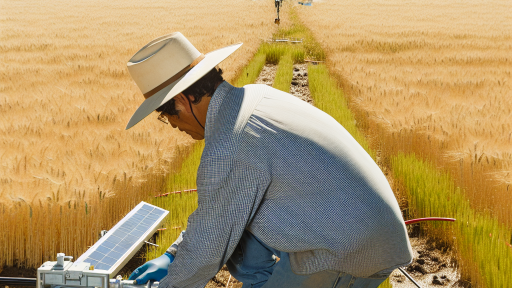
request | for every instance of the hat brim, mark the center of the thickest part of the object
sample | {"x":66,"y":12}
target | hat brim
{"x":210,"y":60}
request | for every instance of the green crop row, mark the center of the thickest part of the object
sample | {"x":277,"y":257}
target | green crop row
{"x":284,"y":73}
{"x":185,"y":177}
{"x":180,"y":206}
{"x":251,"y":72}
{"x":179,"y":203}
{"x":310,"y":48}
{"x":274,"y":52}
{"x":481,"y":241}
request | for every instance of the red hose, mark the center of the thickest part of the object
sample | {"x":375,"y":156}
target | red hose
{"x":176,"y":192}
{"x":412,"y":221}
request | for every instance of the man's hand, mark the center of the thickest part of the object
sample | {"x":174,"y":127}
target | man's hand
{"x":155,"y":269}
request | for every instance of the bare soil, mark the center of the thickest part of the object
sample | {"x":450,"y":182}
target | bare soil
{"x":433,"y":266}
{"x":222,"y":278}
{"x":300,"y":84}
{"x":267,"y":75}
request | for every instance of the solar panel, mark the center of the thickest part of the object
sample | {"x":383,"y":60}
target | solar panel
{"x":121,"y":242}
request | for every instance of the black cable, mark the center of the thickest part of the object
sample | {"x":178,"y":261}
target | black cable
{"x":14,"y":281}
{"x":190,"y":104}
{"x":409,"y":277}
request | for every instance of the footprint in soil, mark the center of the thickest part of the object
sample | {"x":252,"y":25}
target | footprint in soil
{"x":416,"y":268}
{"x":440,"y":280}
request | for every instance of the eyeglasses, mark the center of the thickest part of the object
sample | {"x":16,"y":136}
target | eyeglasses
{"x":162,"y":118}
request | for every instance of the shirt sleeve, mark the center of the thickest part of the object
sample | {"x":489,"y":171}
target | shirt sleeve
{"x":229,"y":193}
{"x":174,"y":247}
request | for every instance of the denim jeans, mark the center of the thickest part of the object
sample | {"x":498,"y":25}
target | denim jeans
{"x":253,"y":263}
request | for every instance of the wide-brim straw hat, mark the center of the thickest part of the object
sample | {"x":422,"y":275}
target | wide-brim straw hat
{"x":168,"y":65}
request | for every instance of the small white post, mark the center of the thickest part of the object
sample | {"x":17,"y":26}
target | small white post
{"x":60,"y":259}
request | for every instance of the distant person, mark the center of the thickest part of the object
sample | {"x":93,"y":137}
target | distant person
{"x":278,"y":178}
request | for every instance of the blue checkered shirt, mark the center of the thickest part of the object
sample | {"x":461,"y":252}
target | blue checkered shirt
{"x":295,"y":178}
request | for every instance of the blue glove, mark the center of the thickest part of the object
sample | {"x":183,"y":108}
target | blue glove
{"x":155,"y":269}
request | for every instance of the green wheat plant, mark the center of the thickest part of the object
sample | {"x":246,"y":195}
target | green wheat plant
{"x":251,"y":72}
{"x":480,"y":239}
{"x":284,"y":73}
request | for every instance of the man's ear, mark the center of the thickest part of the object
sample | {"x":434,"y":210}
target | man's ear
{"x":182,"y":102}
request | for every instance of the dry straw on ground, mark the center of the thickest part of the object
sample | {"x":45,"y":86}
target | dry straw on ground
{"x":439,"y":70}
{"x":65,"y":99}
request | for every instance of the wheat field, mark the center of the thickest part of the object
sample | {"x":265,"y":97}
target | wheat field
{"x":68,"y":168}
{"x":438,"y":70}
{"x":66,"y":95}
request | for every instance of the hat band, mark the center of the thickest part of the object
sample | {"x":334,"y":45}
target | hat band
{"x":174,"y":78}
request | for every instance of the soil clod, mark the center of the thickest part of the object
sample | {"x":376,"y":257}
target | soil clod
{"x":300,"y":84}
{"x":432,"y":264}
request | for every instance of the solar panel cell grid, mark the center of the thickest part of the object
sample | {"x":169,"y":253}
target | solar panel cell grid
{"x":119,"y":249}
{"x":92,"y":261}
{"x":146,"y":221}
{"x":135,"y":233}
{"x":130,"y":241}
{"x":96,"y":255}
{"x":115,"y":239}
{"x":153,"y":217}
{"x":102,"y":266}
{"x":103,"y":249}
{"x":158,"y":213}
{"x":109,"y":260}
{"x":119,"y":233}
{"x":128,"y":225}
{"x":147,"y":207}
{"x":140,"y":227}
{"x":108,"y":244}
{"x":115,"y":254}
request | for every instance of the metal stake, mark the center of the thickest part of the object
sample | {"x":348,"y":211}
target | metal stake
{"x":150,"y":243}
{"x":409,"y":277}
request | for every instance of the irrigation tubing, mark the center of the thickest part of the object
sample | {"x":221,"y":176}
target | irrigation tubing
{"x":13,"y":281}
{"x":412,"y":221}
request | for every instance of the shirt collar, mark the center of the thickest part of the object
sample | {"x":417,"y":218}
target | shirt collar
{"x":215,"y":103}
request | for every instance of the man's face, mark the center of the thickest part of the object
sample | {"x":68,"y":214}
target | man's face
{"x":186,"y":124}
{"x":186,"y":121}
